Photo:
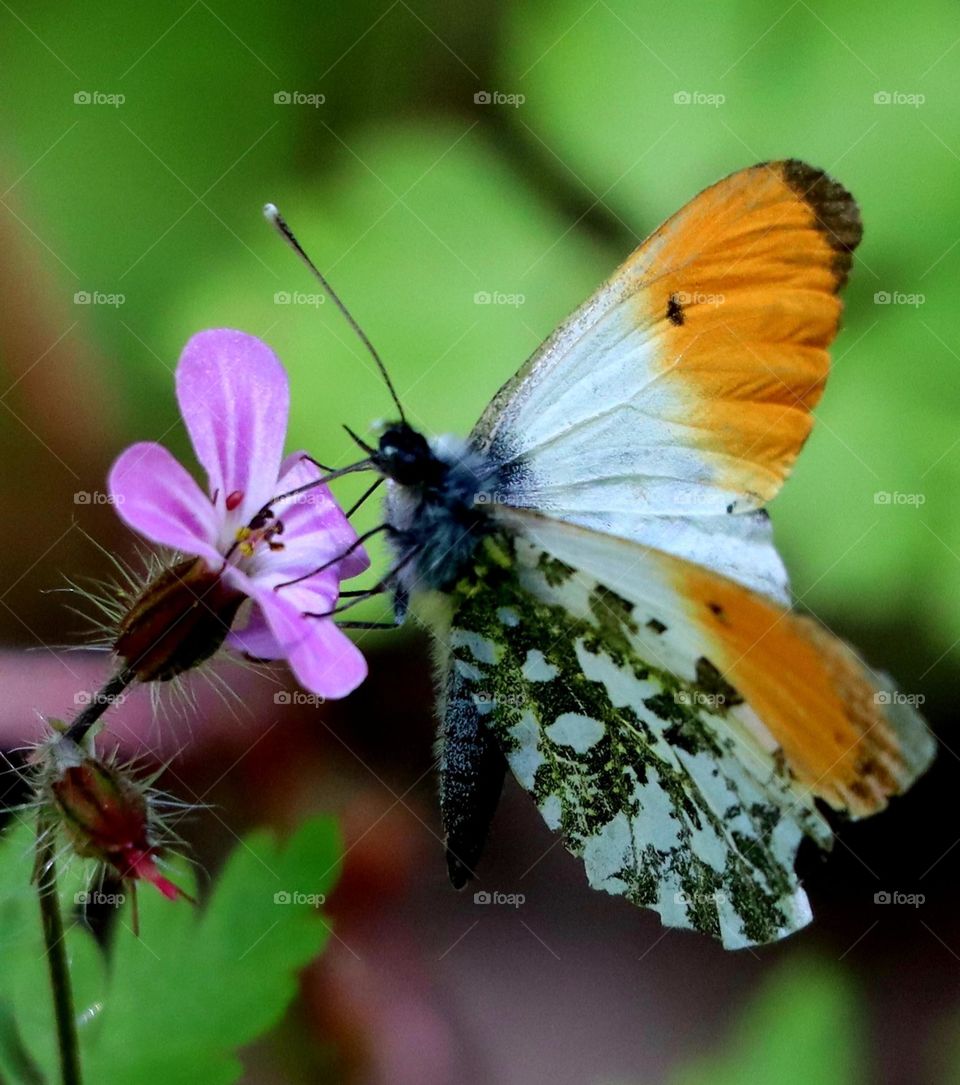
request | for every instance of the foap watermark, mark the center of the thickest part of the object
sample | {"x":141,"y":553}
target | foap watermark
{"x":298,"y":697}
{"x":699,"y":699}
{"x":98,"y":297}
{"x":297,"y":297}
{"x":96,"y":897}
{"x":511,"y":900}
{"x":498,"y":97}
{"x":698,"y":897}
{"x":299,"y":97}
{"x":898,"y":896}
{"x":698,"y":297}
{"x":97,"y":497}
{"x":896,"y":497}
{"x":506,"y":700}
{"x":98,"y":97}
{"x":695,"y":498}
{"x":499,"y":297}
{"x":85,"y":698}
{"x":896,"y":696}
{"x":899,"y":97}
{"x":699,"y":97}
{"x":308,"y":497}
{"x":898,"y":297}
{"x":295,"y":896}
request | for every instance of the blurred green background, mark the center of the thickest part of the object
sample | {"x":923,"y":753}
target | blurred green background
{"x":430,"y":158}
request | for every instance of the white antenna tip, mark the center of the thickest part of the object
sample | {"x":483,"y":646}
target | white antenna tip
{"x":270,"y":212}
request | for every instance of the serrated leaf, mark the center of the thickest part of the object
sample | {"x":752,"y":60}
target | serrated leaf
{"x":177,"y":1002}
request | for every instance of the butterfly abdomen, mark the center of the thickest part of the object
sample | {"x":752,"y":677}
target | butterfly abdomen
{"x":472,"y":768}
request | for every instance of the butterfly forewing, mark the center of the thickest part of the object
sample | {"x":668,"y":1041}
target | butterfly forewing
{"x":679,"y":395}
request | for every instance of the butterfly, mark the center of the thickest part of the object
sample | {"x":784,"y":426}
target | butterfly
{"x":612,"y":620}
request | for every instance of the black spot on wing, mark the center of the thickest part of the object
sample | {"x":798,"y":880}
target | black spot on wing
{"x":718,"y":611}
{"x":675,"y":310}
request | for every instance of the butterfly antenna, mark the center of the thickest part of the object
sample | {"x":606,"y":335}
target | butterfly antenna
{"x":272,"y":215}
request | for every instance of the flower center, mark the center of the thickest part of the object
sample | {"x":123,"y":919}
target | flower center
{"x":261,"y":531}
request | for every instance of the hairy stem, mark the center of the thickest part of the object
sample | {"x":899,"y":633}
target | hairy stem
{"x":45,"y":874}
{"x":101,"y":701}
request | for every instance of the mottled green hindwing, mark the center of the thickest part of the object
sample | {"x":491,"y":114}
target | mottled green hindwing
{"x":634,"y":767}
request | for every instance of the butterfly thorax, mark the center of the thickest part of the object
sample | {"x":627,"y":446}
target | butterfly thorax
{"x":438,"y":505}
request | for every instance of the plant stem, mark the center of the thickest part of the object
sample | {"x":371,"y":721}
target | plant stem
{"x":45,"y":874}
{"x":77,"y":731}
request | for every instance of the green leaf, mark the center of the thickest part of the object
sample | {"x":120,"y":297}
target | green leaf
{"x":804,"y":1026}
{"x":14,"y":1056}
{"x":195,"y":986}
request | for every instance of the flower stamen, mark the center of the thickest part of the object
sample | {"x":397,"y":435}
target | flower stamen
{"x":259,"y":531}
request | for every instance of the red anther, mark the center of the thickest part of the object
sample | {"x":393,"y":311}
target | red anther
{"x":234,"y":499}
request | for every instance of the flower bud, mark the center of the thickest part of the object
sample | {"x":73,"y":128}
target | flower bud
{"x":177,"y":622}
{"x":105,"y":814}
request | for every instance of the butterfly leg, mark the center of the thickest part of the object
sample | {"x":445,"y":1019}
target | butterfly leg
{"x":381,"y":586}
{"x":369,"y":492}
{"x":355,"y":545}
{"x":368,"y":625}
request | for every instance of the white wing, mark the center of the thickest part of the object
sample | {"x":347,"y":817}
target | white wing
{"x":672,"y":404}
{"x":641,"y":773}
{"x":676,"y":734}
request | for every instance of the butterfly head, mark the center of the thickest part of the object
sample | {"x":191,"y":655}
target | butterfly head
{"x":405,"y":456}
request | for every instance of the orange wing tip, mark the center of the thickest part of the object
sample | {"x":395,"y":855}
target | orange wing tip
{"x":835,"y":210}
{"x":889,"y":744}
{"x":845,"y":734}
{"x":914,"y":745}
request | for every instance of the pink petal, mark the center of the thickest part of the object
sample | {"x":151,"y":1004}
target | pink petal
{"x":330,"y":664}
{"x":317,"y":594}
{"x":315,"y":529}
{"x":156,"y":496}
{"x":324,"y":660}
{"x":140,"y":864}
{"x":234,"y":398}
{"x":256,"y":639}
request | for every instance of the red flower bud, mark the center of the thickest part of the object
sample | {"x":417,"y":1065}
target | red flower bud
{"x":106,"y":815}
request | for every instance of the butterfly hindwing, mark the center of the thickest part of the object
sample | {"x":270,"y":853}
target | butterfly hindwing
{"x":846,"y":734}
{"x":630,"y":764}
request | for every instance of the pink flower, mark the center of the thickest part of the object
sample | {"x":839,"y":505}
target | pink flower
{"x":234,"y":398}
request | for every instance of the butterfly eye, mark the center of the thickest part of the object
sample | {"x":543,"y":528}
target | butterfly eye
{"x":405,"y":456}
